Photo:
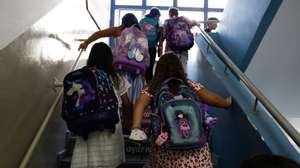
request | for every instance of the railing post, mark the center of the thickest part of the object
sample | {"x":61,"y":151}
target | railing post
{"x":226,"y":70}
{"x":254,"y":110}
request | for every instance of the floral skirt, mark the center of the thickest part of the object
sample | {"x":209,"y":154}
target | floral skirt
{"x":196,"y":158}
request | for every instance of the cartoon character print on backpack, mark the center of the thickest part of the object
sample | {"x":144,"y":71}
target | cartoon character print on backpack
{"x":134,"y":50}
{"x":178,"y":122}
{"x":89,"y":102}
{"x":84,"y":93}
{"x":184,"y":125}
{"x":131,"y":55}
{"x":178,"y":34}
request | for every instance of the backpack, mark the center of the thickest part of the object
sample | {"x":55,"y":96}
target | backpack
{"x":150,"y":27}
{"x":178,"y":122}
{"x":89,"y":102}
{"x":178,"y":34}
{"x":132,"y":55}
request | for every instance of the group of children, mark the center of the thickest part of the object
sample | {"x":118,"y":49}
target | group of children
{"x":105,"y":148}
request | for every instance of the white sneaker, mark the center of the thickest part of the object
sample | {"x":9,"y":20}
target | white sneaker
{"x":137,"y":135}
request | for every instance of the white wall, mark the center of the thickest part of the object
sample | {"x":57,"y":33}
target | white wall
{"x":275,"y":66}
{"x":17,"y":16}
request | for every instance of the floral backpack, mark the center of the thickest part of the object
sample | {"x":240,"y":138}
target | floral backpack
{"x":131,"y":54}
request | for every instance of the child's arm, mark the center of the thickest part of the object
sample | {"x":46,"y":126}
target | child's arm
{"x":213,"y":99}
{"x":142,"y":102}
{"x":113,"y":31}
{"x":191,"y":23}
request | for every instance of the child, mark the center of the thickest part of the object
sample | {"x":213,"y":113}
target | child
{"x":103,"y":149}
{"x":171,"y":27}
{"x":170,"y":66}
{"x":128,"y":20}
{"x":211,"y":26}
{"x":150,"y":26}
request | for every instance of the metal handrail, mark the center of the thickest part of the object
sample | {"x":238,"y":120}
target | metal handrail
{"x":280,"y":119}
{"x":87,"y":8}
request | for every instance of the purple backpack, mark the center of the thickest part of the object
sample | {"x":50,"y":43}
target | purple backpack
{"x":132,"y":55}
{"x":178,"y":34}
{"x":89,"y":102}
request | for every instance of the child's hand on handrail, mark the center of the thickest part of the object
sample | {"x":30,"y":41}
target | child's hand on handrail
{"x":229,"y":101}
{"x":83,"y":46}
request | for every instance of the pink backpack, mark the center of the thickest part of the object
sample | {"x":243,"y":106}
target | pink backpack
{"x":132,"y":55}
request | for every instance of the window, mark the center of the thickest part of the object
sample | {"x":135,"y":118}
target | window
{"x":218,"y":15}
{"x":129,"y":2}
{"x":198,"y":16}
{"x":217,"y":3}
{"x":119,"y":13}
{"x":191,"y":3}
{"x":192,"y":9}
{"x":159,"y":2}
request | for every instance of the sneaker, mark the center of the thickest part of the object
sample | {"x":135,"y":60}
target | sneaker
{"x":137,"y":135}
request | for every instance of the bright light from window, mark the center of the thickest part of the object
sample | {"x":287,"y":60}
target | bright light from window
{"x":192,"y":15}
{"x":217,"y":3}
{"x":191,"y":3}
{"x":129,"y":2}
{"x":117,"y":18}
{"x":160,"y":2}
{"x":218,"y":15}
{"x":121,"y":12}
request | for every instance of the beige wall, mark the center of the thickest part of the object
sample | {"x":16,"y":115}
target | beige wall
{"x":27,"y":68}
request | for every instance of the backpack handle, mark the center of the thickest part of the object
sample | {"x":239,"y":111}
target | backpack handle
{"x":171,"y":78}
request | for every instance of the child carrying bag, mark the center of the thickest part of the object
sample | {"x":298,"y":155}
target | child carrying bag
{"x":132,"y":55}
{"x":89,"y":102}
{"x":178,"y":122}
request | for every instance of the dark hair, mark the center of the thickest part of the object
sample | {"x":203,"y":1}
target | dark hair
{"x":173,"y":11}
{"x":154,"y":12}
{"x":168,"y":66}
{"x":101,"y":57}
{"x":269,"y":161}
{"x":128,"y":20}
{"x":213,"y":18}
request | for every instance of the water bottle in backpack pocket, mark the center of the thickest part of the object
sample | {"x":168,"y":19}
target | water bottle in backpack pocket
{"x":178,"y":122}
{"x":131,"y":54}
{"x":89,"y":102}
{"x":178,"y":34}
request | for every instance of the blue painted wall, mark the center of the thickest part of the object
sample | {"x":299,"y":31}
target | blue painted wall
{"x":235,"y":139}
{"x":243,"y":25}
